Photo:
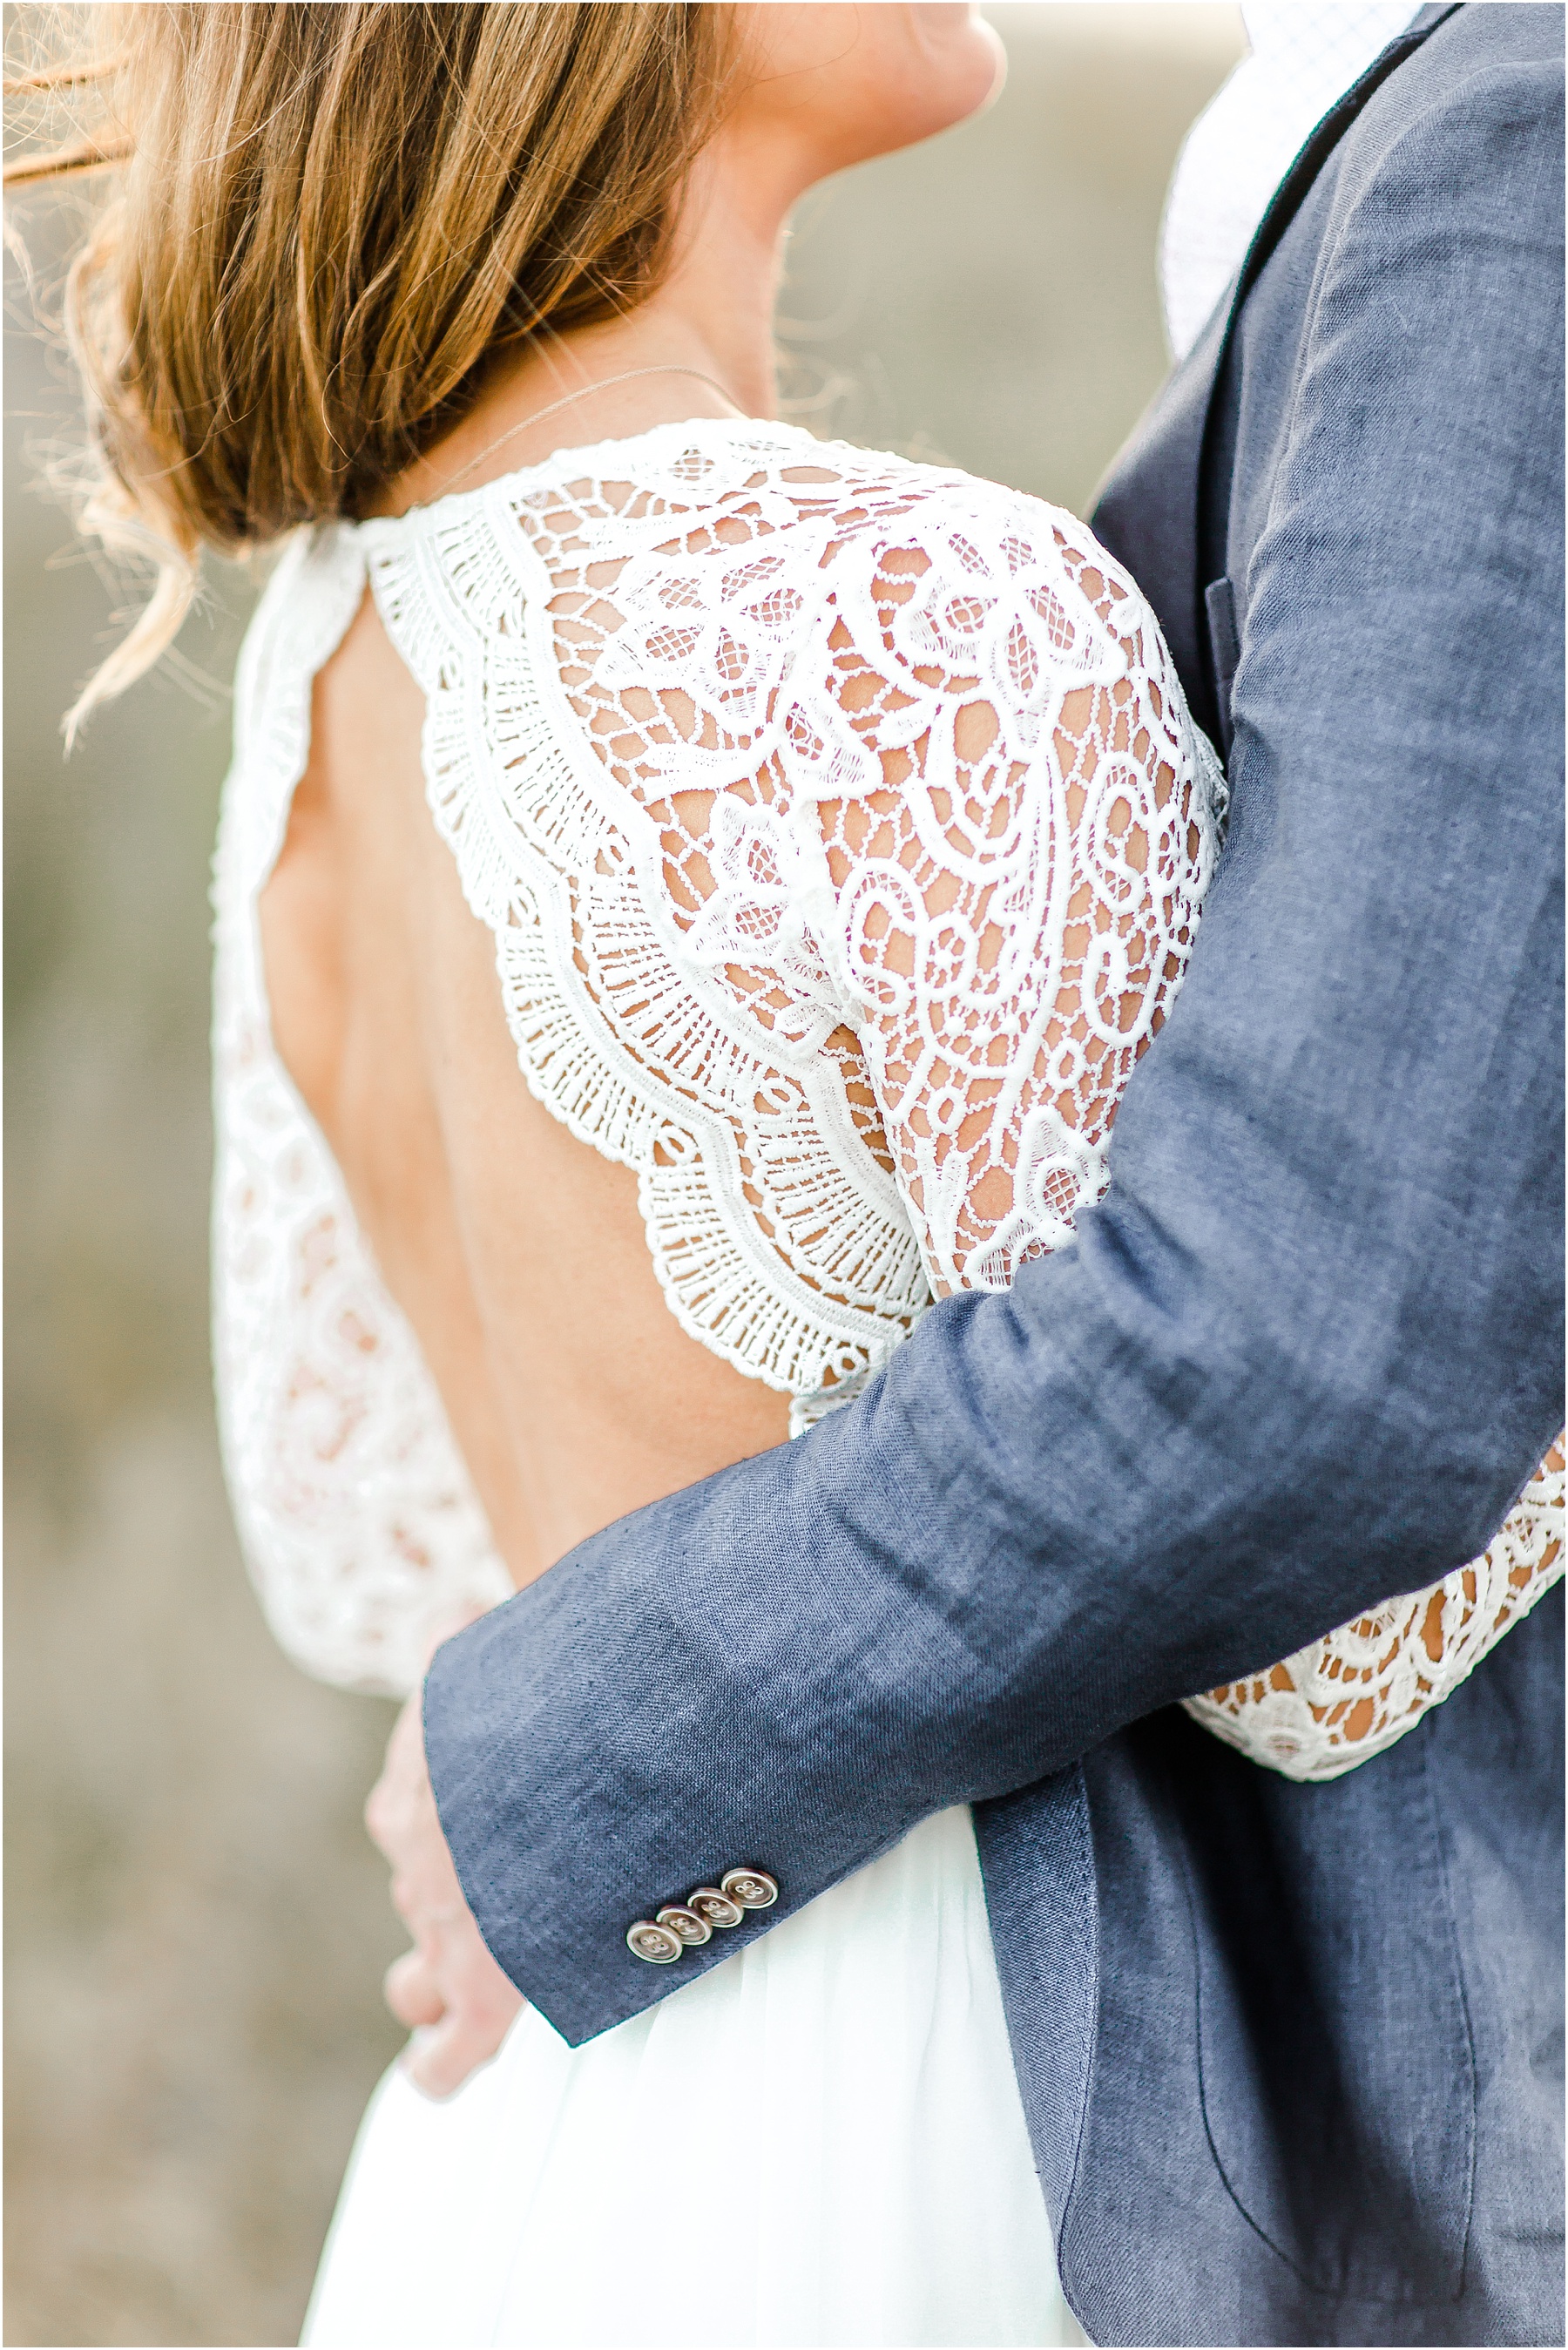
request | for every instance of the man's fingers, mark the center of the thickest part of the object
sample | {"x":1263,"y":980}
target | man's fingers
{"x":377,"y":1808}
{"x":389,"y":1815}
{"x":393,"y":1808}
{"x":412,"y":1992}
{"x":439,"y":2061}
{"x":447,"y":1989}
{"x":418,"y":1904}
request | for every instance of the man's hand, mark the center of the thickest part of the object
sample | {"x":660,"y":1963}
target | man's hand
{"x":447,"y":1989}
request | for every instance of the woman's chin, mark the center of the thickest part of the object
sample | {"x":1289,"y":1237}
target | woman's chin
{"x":964,"y":58}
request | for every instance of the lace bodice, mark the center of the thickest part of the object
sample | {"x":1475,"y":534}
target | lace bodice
{"x":843,"y":837}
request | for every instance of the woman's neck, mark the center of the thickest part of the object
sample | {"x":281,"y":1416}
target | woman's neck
{"x":706,"y":331}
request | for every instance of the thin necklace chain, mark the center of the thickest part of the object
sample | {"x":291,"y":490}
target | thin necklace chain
{"x":631,"y":376}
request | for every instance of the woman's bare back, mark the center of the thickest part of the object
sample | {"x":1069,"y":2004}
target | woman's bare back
{"x":517,"y":1252}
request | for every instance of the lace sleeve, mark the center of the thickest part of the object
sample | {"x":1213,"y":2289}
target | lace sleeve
{"x":1017,"y":892}
{"x":1348,"y":1696}
{"x":1018,"y":874}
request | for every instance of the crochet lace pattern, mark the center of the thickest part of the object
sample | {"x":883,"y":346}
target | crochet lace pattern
{"x":1353,"y":1693}
{"x":843,"y":837}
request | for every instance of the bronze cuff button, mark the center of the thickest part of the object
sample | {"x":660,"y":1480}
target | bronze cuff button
{"x":658,"y":1944}
{"x":715,"y":1909}
{"x":753,"y":1889}
{"x":686,"y":1923}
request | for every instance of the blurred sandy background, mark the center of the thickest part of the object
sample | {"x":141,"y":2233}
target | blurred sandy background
{"x":197,"y":1924}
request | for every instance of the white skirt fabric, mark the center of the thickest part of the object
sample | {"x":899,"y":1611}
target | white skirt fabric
{"x":818,"y":2143}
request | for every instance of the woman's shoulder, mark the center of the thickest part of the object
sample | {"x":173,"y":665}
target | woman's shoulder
{"x":960,"y":559}
{"x":766,"y":525}
{"x":762,"y":479}
{"x":729,"y":495}
{"x":749,"y":576}
{"x":944,"y":583}
{"x":794,"y":482}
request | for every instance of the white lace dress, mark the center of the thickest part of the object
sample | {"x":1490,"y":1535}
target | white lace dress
{"x":843,"y":837}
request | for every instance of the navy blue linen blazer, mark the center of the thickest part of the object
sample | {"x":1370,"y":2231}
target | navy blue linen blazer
{"x":1291,"y":2054}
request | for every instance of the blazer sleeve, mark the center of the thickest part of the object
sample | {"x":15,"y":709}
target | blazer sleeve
{"x":1306,"y":1350}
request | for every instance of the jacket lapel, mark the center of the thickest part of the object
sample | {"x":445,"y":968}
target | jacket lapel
{"x":1160,"y":512}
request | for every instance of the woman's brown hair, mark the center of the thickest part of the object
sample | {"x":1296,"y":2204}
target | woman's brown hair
{"x":327,"y":219}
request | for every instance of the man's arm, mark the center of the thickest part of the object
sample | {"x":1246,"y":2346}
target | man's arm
{"x":1305,"y":1352}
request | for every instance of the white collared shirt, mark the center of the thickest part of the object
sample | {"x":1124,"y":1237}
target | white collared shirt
{"x":1305,"y":54}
